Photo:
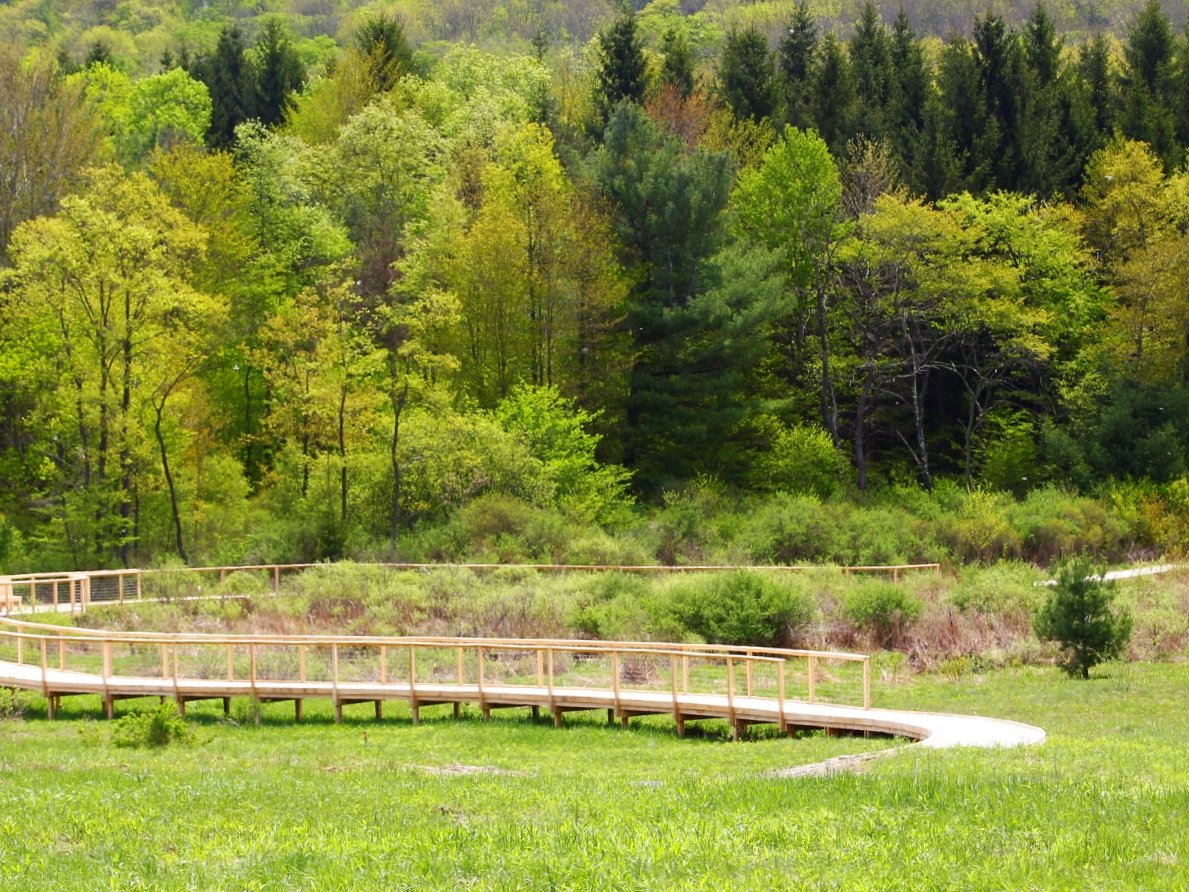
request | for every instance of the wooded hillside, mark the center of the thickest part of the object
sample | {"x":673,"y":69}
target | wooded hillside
{"x":309,"y":279}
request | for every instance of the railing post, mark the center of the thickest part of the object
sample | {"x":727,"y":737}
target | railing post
{"x":252,"y":666}
{"x":812,"y":678}
{"x":383,"y":664}
{"x":750,"y":683}
{"x":784,"y":722}
{"x":540,"y":668}
{"x":676,"y":703}
{"x":20,"y":650}
{"x":276,"y":580}
{"x":55,"y":586}
{"x":866,"y":682}
{"x":106,"y":662}
{"x":482,"y":699}
{"x":61,"y":651}
{"x":139,"y":594}
{"x":615,"y":680}
{"x":731,"y":697}
{"x":230,"y":662}
{"x":45,"y":686}
{"x":301,"y":661}
{"x":414,"y":708}
{"x":685,"y":673}
{"x":164,"y":662}
{"x":460,"y":668}
{"x":334,"y":682}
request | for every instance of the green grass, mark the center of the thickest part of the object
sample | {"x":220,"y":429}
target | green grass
{"x":1104,"y":804}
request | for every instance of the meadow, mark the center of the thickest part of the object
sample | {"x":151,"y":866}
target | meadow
{"x":511,"y":804}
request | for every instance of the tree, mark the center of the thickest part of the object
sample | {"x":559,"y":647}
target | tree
{"x":620,"y":70}
{"x":280,"y":73}
{"x":791,"y":204}
{"x":1080,"y":616}
{"x":231,"y":79}
{"x":795,"y":60}
{"x":746,"y":76}
{"x":388,"y":57}
{"x":48,"y":133}
{"x":677,"y":71}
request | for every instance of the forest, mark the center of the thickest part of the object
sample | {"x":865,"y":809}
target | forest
{"x":568,"y":281}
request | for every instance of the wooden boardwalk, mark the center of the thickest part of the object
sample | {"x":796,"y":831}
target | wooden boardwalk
{"x":743,"y":686}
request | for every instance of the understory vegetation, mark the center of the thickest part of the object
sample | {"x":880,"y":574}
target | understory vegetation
{"x":955,"y":623}
{"x":1104,"y":803}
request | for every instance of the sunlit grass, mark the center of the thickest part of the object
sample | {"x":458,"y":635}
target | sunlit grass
{"x":512,"y":804}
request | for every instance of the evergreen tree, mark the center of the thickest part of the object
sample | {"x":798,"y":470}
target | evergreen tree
{"x":873,"y":71}
{"x":1080,"y":616}
{"x":280,"y":73}
{"x":231,"y":81}
{"x":381,"y":42}
{"x":746,"y":76}
{"x":1149,"y":83}
{"x":1098,"y":83}
{"x":620,"y":70}
{"x":677,"y":71}
{"x":833,"y":96}
{"x":795,"y":60}
{"x":1042,"y":46}
{"x":910,"y":93}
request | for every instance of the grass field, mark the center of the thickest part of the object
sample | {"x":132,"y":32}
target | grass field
{"x":512,"y":805}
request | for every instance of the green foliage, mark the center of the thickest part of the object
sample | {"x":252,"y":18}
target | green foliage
{"x":1080,"y":616}
{"x":802,"y":459}
{"x":884,"y":609}
{"x":155,"y":728}
{"x":620,"y":74}
{"x":742,"y":608}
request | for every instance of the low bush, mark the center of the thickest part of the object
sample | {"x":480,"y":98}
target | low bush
{"x":883,"y":609}
{"x":156,"y":728}
{"x":742,"y":608}
{"x":1007,"y":589}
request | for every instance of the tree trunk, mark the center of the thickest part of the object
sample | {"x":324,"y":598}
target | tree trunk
{"x":399,"y":398}
{"x":829,"y":398}
{"x":861,"y":427}
{"x":175,"y":514}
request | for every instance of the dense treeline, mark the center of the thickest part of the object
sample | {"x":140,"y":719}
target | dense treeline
{"x":290,"y":298}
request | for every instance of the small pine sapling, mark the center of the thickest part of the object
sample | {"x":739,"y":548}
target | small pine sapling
{"x":1080,"y":615}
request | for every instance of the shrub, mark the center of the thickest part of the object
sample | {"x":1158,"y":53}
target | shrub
{"x":742,"y":608}
{"x":13,"y":703}
{"x":1007,"y":588}
{"x":157,"y":728}
{"x":791,"y":530}
{"x":1080,"y":616}
{"x":884,"y":609}
{"x":803,"y":459}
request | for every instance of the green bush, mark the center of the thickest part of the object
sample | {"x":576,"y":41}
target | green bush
{"x":1080,"y":616}
{"x":802,"y":459}
{"x":1007,"y":588}
{"x":884,"y":609}
{"x":792,"y":530}
{"x":744,"y":607}
{"x":156,"y":728}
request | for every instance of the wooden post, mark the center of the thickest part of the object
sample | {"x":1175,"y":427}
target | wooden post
{"x":750,"y":673}
{"x":230,"y":662}
{"x":301,"y":661}
{"x":106,"y":662}
{"x":461,"y":669}
{"x":61,"y":652}
{"x":414,"y":709}
{"x":120,"y":593}
{"x":784,"y":722}
{"x":866,"y":682}
{"x":895,"y":574}
{"x":45,"y":686}
{"x":276,"y":580}
{"x":252,"y":666}
{"x":164,"y":663}
{"x":483,"y":707}
{"x":70,"y":590}
{"x":34,"y":587}
{"x":812,"y":679}
{"x":615,"y":681}
{"x":731,"y":697}
{"x":685,"y":673}
{"x":676,"y":704}
{"x":334,"y":681}
{"x":20,"y":650}
{"x":540,"y":668}
{"x":383,"y":664}
{"x":139,"y":594}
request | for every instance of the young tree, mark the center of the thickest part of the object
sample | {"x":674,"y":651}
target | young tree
{"x":795,"y":61}
{"x":280,"y":73}
{"x":231,"y":79}
{"x":620,"y":70}
{"x":382,"y":44}
{"x":746,"y":76}
{"x":1080,"y":616}
{"x":677,"y":71}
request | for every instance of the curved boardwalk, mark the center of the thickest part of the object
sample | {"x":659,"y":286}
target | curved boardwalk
{"x":744,"y":686}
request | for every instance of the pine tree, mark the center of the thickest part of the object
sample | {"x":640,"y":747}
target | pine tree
{"x":1079,"y":616}
{"x":620,"y":74}
{"x":229,"y":77}
{"x":833,"y":96}
{"x":280,"y":73}
{"x":382,"y":43}
{"x":746,"y":76}
{"x":677,"y":71}
{"x":874,"y":75}
{"x":795,"y":59}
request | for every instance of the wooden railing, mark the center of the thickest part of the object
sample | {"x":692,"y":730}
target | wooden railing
{"x":742,"y":685}
{"x":76,"y":590}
